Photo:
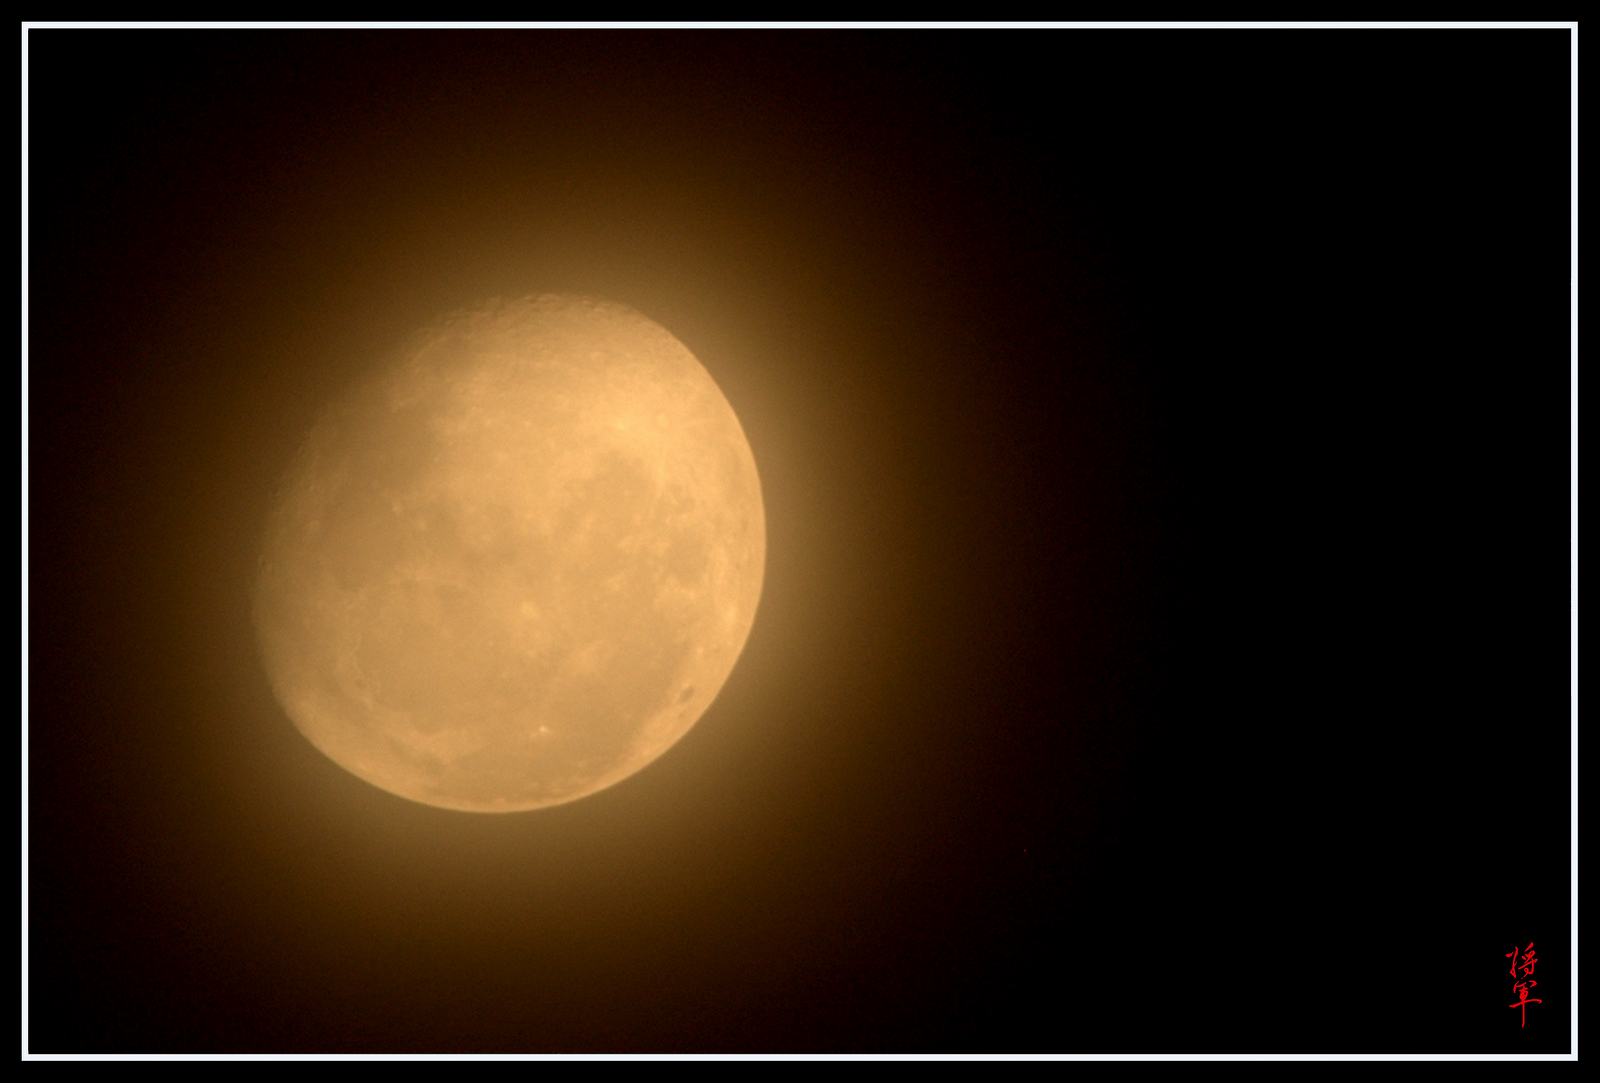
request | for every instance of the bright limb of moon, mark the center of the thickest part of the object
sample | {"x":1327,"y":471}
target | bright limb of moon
{"x":517,"y":566}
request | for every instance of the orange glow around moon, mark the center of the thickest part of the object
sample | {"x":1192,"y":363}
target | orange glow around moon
{"x":518,"y":565}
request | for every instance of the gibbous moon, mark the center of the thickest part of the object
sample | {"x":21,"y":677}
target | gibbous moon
{"x":517,"y":566}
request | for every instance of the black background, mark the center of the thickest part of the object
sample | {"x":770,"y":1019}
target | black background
{"x":1164,"y":437}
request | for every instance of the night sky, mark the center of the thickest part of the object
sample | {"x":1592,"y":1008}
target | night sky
{"x":1164,"y":440}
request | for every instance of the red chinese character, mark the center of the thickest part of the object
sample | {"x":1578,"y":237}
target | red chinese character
{"x":1522,"y":988}
{"x":1527,"y":960}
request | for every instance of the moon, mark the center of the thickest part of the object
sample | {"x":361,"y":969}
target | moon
{"x":517,"y":565}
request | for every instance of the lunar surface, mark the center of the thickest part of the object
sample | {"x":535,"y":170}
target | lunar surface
{"x":519,"y":564}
